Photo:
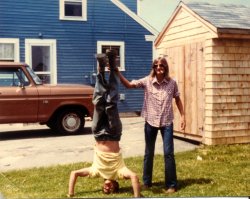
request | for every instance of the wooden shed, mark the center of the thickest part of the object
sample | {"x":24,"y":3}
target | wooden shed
{"x":208,"y":50}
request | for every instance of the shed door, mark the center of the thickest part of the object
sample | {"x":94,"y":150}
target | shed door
{"x":187,"y":67}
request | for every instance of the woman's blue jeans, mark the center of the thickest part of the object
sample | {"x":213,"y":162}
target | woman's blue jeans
{"x":106,"y":124}
{"x":169,"y":160}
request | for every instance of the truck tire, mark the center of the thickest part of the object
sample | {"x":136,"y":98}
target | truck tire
{"x":70,"y":122}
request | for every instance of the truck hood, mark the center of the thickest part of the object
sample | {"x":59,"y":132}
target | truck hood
{"x":58,"y":89}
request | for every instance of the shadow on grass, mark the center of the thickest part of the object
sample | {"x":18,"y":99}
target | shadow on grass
{"x":99,"y":192}
{"x":84,"y":193}
{"x":182,"y":183}
{"x":125,"y":189}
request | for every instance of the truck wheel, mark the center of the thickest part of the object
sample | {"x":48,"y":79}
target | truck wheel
{"x":70,"y":122}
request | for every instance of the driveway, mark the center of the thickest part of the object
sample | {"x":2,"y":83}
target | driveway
{"x":33,"y":145}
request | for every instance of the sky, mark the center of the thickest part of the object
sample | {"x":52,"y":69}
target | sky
{"x":157,"y":12}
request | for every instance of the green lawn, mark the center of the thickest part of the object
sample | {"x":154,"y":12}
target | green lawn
{"x":221,"y":171}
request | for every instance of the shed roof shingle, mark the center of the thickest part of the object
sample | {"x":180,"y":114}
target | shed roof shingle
{"x":223,"y":15}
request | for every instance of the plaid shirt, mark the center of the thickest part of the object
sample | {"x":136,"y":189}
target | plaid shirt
{"x":157,"y":106}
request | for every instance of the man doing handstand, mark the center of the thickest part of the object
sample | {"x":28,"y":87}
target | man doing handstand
{"x":107,"y":129}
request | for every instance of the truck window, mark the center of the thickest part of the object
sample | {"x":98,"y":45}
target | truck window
{"x":13,"y":77}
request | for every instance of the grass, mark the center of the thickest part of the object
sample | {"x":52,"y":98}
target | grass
{"x":220,"y":171}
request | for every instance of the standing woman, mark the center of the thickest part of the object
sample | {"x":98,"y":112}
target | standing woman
{"x":159,"y":91}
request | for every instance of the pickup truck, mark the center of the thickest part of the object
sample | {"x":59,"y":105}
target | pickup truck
{"x":25,"y":99}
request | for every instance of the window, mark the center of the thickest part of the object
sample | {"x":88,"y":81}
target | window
{"x":102,"y":46}
{"x":40,"y":55}
{"x":73,"y":10}
{"x":9,"y":50}
{"x":13,"y":77}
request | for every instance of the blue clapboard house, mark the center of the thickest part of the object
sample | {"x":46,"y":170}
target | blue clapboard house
{"x":59,"y":38}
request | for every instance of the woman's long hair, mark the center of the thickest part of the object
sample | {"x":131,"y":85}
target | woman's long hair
{"x":163,"y":61}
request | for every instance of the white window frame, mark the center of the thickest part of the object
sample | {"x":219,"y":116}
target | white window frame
{"x":43,"y":42}
{"x":73,"y":18}
{"x":114,"y":43}
{"x":15,"y":42}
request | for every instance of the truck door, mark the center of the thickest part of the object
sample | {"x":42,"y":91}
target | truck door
{"x":18,"y":98}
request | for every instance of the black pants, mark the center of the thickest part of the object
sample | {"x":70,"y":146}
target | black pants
{"x":106,"y":123}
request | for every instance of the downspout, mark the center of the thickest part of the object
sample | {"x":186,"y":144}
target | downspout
{"x":93,"y":72}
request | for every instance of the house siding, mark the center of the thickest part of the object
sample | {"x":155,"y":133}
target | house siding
{"x":77,"y":40}
{"x":184,"y":28}
{"x":227,"y":112}
{"x":130,"y":5}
